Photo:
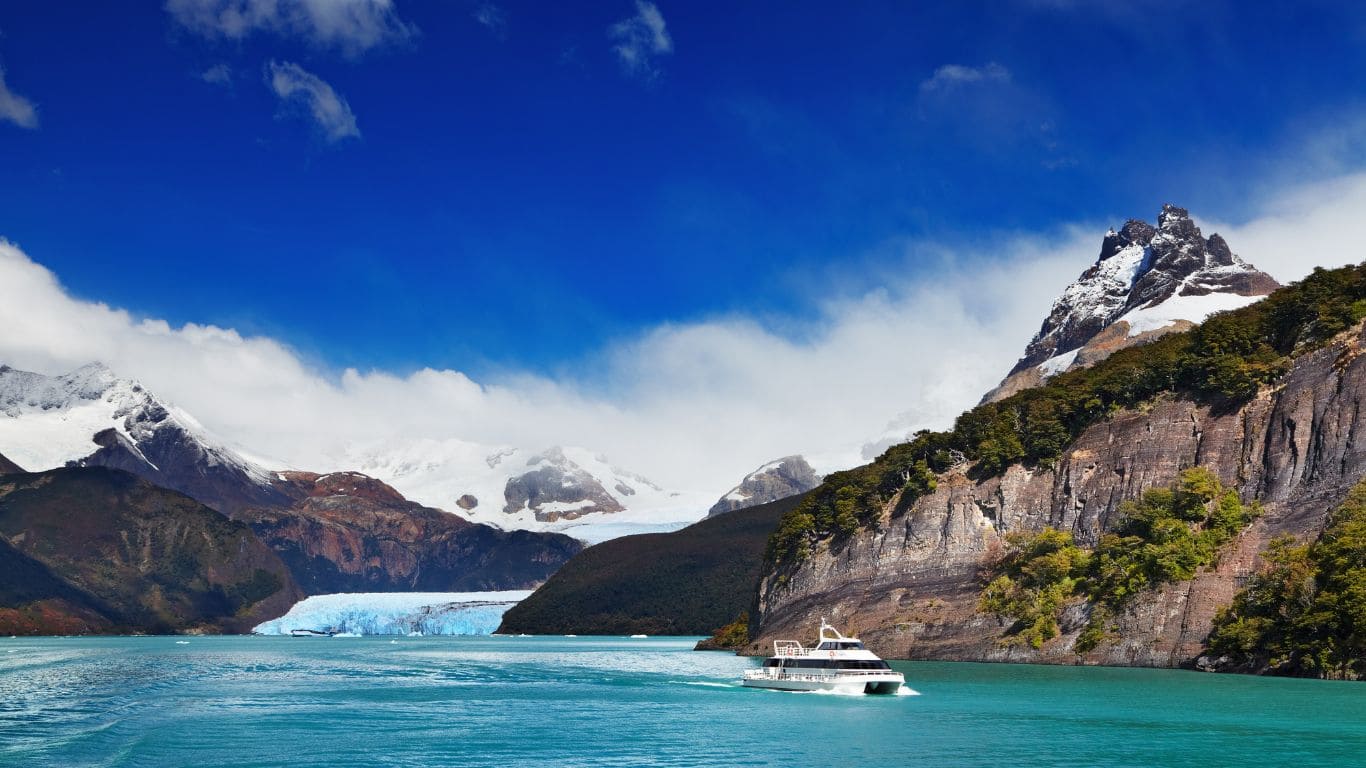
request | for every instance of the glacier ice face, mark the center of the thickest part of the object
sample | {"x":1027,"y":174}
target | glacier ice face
{"x":398,"y":613}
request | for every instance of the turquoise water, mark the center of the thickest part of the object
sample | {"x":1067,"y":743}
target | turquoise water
{"x":267,"y":701}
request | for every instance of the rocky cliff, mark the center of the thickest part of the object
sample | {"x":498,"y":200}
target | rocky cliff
{"x":775,"y":480}
{"x":100,"y":550}
{"x":1147,"y":282}
{"x":346,"y":532}
{"x":909,"y":587}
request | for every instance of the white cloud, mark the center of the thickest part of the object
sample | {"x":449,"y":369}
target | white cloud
{"x":953,"y":75}
{"x":15,"y":108}
{"x":300,"y":88}
{"x":641,"y":39}
{"x":353,"y":26}
{"x":693,"y":405}
{"x":218,"y":74}
{"x":1312,"y":225}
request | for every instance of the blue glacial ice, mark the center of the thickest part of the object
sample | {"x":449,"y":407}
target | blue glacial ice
{"x":397,"y":613}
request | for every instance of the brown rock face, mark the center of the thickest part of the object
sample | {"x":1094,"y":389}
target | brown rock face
{"x":100,"y":550}
{"x":910,"y":589}
{"x":347,"y":532}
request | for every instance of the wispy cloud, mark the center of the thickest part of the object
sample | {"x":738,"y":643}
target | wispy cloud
{"x":15,"y":108}
{"x":218,"y":74}
{"x":300,"y":88}
{"x":952,"y":76}
{"x":493,"y":17}
{"x":640,"y":40}
{"x":354,"y":26}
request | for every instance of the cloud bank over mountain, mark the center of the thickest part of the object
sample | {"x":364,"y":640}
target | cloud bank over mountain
{"x":692,"y":405}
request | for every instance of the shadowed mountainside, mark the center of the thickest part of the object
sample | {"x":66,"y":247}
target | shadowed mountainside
{"x":100,"y":550}
{"x":687,"y":582}
{"x":346,"y":532}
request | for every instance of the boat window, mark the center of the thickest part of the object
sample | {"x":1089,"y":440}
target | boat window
{"x":862,"y":664}
{"x":851,"y":646}
{"x":826,"y":647}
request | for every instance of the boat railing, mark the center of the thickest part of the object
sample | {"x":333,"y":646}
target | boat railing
{"x":789,"y":648}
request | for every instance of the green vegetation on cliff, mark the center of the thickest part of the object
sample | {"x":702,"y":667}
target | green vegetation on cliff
{"x":688,"y":582}
{"x":731,"y":637}
{"x":1165,"y":536}
{"x":1223,"y":362}
{"x":1307,"y":614}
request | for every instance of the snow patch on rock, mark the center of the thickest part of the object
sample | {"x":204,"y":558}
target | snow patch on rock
{"x":1190,"y":308}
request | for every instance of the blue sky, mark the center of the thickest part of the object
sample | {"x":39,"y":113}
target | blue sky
{"x":514,"y":186}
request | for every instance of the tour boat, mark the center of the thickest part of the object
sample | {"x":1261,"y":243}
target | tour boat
{"x":837,"y":663}
{"x":313,"y":633}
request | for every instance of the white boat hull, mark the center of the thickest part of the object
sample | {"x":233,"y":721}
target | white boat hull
{"x":880,"y":684}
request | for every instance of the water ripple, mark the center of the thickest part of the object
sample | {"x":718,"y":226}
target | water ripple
{"x":614,"y":702}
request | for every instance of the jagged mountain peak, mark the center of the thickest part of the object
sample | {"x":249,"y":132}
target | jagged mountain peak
{"x":1147,"y":281}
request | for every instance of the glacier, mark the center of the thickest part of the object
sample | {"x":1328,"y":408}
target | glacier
{"x":398,"y":613}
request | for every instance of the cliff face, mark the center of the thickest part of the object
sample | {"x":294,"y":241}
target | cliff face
{"x":346,"y":532}
{"x":910,"y":589}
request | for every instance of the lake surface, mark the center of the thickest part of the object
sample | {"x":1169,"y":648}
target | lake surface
{"x":494,"y":701}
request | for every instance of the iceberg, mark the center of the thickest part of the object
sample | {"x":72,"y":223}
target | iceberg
{"x":397,"y":613}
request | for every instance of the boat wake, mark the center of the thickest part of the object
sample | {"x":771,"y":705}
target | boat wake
{"x":902,"y":691}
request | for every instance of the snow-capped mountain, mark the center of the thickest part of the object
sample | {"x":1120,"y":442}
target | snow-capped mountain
{"x":567,"y":489}
{"x":775,"y":480}
{"x":91,"y":417}
{"x":1147,"y":282}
